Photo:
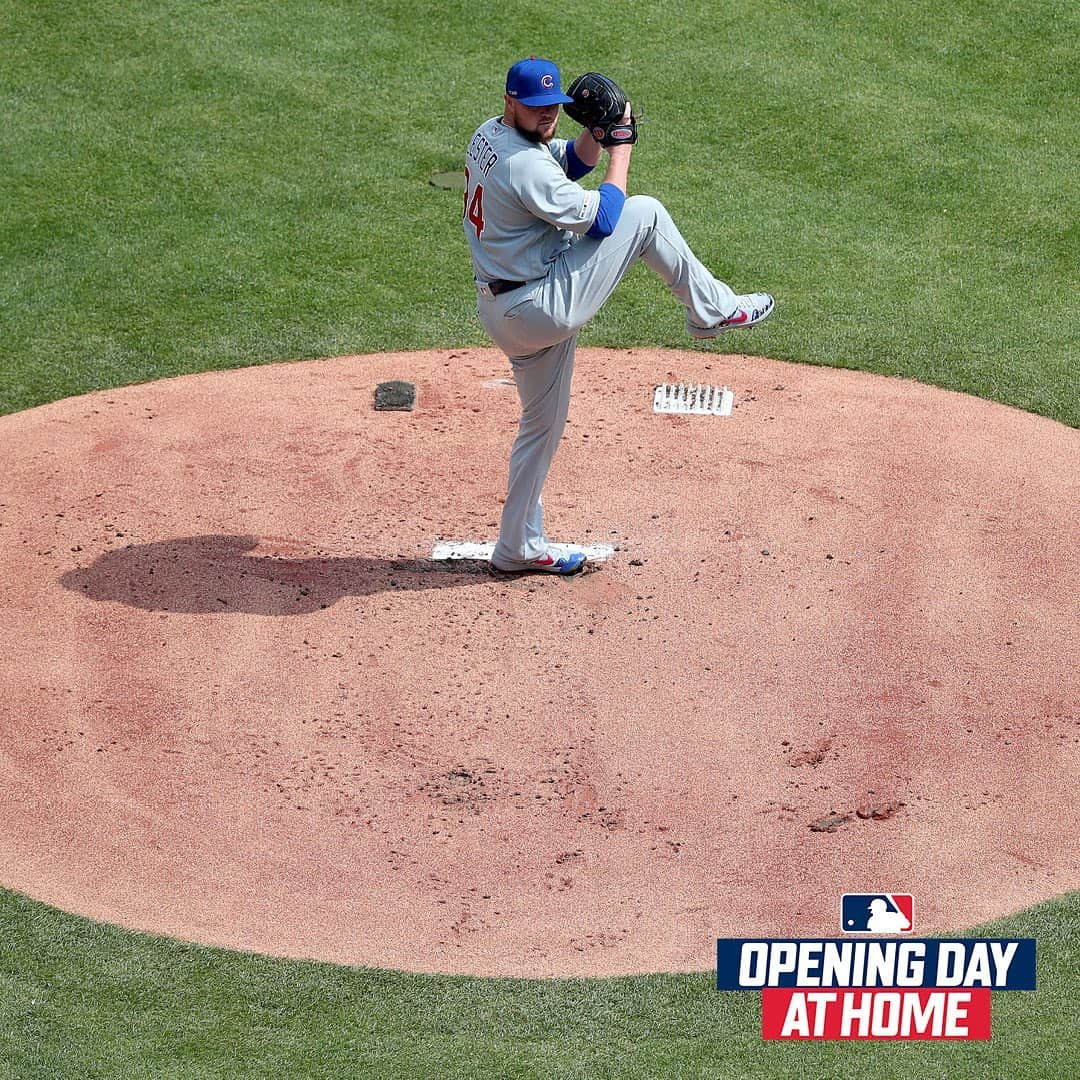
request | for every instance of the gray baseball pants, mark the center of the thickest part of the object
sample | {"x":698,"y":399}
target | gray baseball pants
{"x":537,"y":328}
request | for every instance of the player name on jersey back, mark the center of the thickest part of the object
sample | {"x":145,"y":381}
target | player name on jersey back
{"x":482,"y":153}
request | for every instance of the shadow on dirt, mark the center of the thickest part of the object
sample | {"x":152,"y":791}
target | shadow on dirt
{"x":201,"y":574}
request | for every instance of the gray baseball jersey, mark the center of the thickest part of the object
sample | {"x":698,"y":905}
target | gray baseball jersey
{"x":525,"y":220}
{"x":520,"y":207}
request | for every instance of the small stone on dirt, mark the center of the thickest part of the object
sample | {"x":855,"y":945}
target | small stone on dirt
{"x":829,"y":823}
{"x":878,"y":811}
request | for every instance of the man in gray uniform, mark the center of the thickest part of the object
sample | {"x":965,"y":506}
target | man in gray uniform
{"x":547,"y":253}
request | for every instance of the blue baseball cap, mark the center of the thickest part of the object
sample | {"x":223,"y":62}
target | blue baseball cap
{"x":535,"y":82}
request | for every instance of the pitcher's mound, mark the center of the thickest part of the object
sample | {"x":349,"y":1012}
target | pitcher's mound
{"x":242,"y":704}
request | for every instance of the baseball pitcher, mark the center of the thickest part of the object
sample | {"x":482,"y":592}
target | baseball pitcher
{"x":547,"y":253}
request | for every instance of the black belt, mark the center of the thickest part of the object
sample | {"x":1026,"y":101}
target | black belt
{"x":499,"y":287}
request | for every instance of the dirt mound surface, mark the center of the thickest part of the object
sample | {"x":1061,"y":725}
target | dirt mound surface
{"x":834,"y":651}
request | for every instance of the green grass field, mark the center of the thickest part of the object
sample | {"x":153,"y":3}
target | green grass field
{"x":82,"y":1000}
{"x":194,"y":185}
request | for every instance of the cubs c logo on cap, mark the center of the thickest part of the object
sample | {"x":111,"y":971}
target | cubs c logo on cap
{"x":547,"y":82}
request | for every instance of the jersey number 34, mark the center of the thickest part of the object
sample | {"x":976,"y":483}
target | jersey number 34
{"x":474,"y":210}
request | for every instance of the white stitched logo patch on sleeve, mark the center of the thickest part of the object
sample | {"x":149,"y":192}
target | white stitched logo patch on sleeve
{"x":586,"y":205}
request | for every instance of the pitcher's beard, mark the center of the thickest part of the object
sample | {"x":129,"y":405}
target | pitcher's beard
{"x":535,"y":136}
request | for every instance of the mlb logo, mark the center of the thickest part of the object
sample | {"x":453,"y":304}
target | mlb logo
{"x":877,"y":913}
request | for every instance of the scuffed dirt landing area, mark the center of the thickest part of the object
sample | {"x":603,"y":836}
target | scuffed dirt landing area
{"x":241,"y":704}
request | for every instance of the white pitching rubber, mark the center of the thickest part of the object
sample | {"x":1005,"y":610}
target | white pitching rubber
{"x":464,"y":549}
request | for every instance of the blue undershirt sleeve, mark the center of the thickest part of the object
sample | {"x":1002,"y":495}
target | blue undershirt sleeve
{"x":607,"y":213}
{"x":575,"y":167}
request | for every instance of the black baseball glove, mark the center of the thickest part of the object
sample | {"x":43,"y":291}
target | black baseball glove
{"x":599,"y":105}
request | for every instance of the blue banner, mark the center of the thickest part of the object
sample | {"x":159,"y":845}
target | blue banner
{"x":757,"y":963}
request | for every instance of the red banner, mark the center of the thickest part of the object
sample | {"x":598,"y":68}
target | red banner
{"x":811,"y":1013}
